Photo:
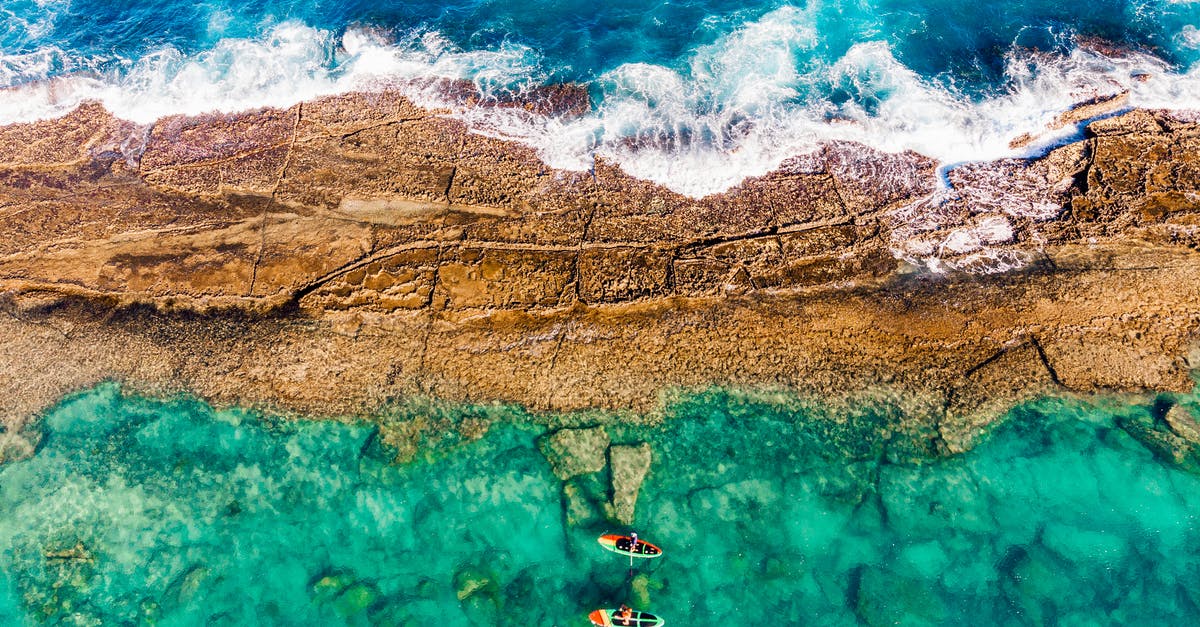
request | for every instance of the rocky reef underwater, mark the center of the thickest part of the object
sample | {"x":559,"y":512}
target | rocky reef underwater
{"x":771,"y":509}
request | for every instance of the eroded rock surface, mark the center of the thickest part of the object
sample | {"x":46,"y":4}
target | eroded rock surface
{"x":338,"y":254}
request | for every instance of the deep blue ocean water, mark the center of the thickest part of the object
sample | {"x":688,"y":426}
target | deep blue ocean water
{"x":714,"y":90}
{"x":577,"y":40}
{"x":952,"y":41}
{"x":145,"y":511}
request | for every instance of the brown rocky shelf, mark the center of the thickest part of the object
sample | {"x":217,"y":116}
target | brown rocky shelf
{"x":335,"y":255}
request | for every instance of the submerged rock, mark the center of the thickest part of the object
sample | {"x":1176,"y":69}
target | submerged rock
{"x":1158,"y":438}
{"x":642,"y":587}
{"x":186,"y":586}
{"x":356,"y":599}
{"x":629,"y":467}
{"x":471,"y":581}
{"x":15,"y":446}
{"x":1084,"y":546}
{"x":1163,"y":440}
{"x":883,"y":598}
{"x":347,"y":594}
{"x":1183,"y":423}
{"x":77,"y":553}
{"x":574,"y":452}
{"x":327,"y":587}
{"x":1030,"y":584}
{"x":748,"y":513}
{"x":478,"y":593}
{"x":580,"y":502}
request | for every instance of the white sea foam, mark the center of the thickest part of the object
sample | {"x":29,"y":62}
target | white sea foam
{"x":744,"y":106}
{"x":734,"y":108}
{"x":987,"y":231}
{"x":1190,"y":36}
{"x":291,"y":64}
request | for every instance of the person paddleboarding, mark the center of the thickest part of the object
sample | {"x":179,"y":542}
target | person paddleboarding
{"x":625,"y":616}
{"x":630,"y":545}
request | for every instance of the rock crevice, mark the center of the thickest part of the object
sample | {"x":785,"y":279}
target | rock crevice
{"x":227,"y":241}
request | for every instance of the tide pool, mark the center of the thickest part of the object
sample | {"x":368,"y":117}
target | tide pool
{"x":152,"y":511}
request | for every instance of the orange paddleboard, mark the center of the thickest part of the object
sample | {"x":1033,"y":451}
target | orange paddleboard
{"x":608,"y":618}
{"x":623,"y":546}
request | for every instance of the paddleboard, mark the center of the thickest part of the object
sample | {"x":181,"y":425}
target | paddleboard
{"x":608,"y":618}
{"x":622,"y":545}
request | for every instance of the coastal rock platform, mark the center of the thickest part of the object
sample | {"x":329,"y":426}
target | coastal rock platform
{"x":340,"y":254}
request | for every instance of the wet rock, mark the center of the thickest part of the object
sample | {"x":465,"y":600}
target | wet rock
{"x":614,"y":275}
{"x":1139,"y":121}
{"x":988,"y":389}
{"x":574,"y":452}
{"x":1100,"y":105}
{"x":570,"y":100}
{"x":629,"y":467}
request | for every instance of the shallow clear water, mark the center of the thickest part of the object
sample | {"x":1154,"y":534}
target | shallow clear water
{"x":168,"y":512}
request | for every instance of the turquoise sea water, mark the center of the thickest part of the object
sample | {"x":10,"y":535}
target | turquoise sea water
{"x":695,"y":94}
{"x":143,"y":511}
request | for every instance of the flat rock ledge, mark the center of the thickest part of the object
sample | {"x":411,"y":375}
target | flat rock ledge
{"x":332,"y":257}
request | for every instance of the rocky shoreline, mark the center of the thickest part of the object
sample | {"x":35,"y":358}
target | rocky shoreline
{"x":341,"y":254}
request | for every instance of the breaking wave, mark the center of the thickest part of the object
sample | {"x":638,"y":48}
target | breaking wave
{"x":727,"y":109}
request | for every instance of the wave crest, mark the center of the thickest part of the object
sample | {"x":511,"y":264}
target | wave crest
{"x":731,"y":109}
